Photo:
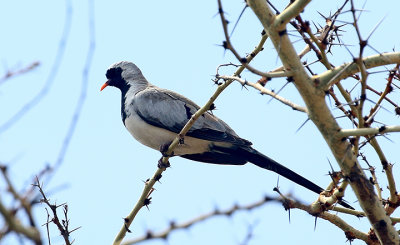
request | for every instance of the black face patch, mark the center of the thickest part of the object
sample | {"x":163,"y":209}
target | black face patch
{"x":114,"y":77}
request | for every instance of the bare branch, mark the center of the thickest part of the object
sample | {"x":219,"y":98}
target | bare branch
{"x":263,"y":90}
{"x":368,"y":131}
{"x":326,"y":79}
{"x":62,"y":224}
{"x":320,"y":114}
{"x":12,"y":73}
{"x":184,"y":225}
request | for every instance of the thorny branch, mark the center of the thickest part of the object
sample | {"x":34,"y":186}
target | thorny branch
{"x":145,"y":198}
{"x":13,"y":223}
{"x":288,"y":203}
{"x":324,"y":42}
{"x":62,"y":224}
{"x":352,"y":104}
{"x":329,"y":82}
{"x":185,"y":225}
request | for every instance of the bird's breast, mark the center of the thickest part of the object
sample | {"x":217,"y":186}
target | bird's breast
{"x":154,"y":137}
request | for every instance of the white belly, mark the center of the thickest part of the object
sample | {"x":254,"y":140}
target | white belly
{"x":154,"y":137}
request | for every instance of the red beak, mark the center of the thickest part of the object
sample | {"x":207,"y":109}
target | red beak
{"x":104,"y":85}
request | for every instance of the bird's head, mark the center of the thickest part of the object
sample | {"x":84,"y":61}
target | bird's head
{"x":123,"y":75}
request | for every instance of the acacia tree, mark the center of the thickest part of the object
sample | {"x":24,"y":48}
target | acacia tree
{"x":318,"y":81}
{"x":343,"y":143}
{"x":347,"y":84}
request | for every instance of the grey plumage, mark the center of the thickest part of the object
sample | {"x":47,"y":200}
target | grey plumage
{"x":154,"y":116}
{"x":165,"y":113}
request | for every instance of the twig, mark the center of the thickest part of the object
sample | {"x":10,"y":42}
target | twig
{"x":228,"y":45}
{"x":23,"y":201}
{"x":266,"y":91}
{"x":368,"y":131}
{"x":325,"y":79}
{"x":63,"y":225}
{"x":374,"y":179}
{"x":387,"y":90}
{"x":293,"y":10}
{"x":173,"y":226}
{"x":15,"y":225}
{"x":12,"y":73}
{"x":388,"y":167}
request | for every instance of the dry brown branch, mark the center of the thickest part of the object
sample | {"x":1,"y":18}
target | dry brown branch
{"x":184,"y":225}
{"x":12,"y":222}
{"x":12,"y":73}
{"x":61,"y":223}
{"x":313,"y":93}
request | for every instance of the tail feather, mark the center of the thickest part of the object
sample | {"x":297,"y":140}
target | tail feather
{"x":240,"y":155}
{"x":265,"y":162}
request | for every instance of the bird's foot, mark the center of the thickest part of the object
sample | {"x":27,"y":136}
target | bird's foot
{"x":164,"y":149}
{"x":161,"y":164}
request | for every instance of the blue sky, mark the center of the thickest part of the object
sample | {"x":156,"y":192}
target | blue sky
{"x":176,"y":45}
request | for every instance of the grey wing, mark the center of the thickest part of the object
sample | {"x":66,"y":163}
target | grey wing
{"x":169,"y":110}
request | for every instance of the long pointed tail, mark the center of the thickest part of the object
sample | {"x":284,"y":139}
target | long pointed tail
{"x":265,"y":162}
{"x":240,"y":155}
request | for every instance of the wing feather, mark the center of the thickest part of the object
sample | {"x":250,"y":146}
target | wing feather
{"x":169,"y":110}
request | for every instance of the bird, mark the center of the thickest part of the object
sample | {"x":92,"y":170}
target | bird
{"x":154,"y":116}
